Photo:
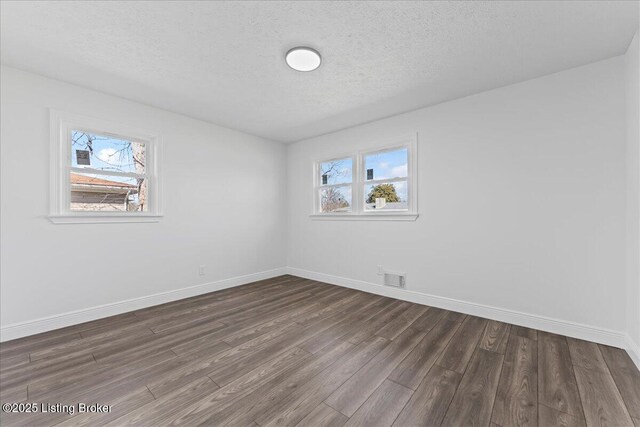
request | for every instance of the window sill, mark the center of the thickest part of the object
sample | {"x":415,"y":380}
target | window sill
{"x":380,"y":216}
{"x":102,"y":219}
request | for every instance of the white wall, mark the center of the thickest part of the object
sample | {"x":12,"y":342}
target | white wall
{"x":521,"y":201}
{"x":223,"y":205}
{"x":632,"y":65}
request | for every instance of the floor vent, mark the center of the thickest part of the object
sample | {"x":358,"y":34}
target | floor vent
{"x":394,"y":279}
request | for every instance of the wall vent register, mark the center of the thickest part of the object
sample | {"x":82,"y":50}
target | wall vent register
{"x":395,"y":280}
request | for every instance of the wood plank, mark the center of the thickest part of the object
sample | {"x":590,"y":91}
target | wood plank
{"x":457,"y":354}
{"x":516,"y":401}
{"x":81,"y":383}
{"x":586,"y":354}
{"x":495,"y":337}
{"x":428,"y":405}
{"x":112,"y":322}
{"x":455,"y":316}
{"x":230,"y":365}
{"x":241,"y":332}
{"x":121,"y":405}
{"x":626,"y":376}
{"x":32,"y":343}
{"x":557,"y":387}
{"x":277,"y":390}
{"x":473,"y":401}
{"x":521,"y":331}
{"x":351,"y":322}
{"x":269,"y":305}
{"x":13,"y":362}
{"x":185,"y":373}
{"x":263,"y":287}
{"x":142,"y":346}
{"x":322,"y":416}
{"x":159,"y":412}
{"x":44,"y":370}
{"x":108,"y":394}
{"x":228,"y":309}
{"x":411,"y":371}
{"x":88,"y":345}
{"x":200,"y":409}
{"x":347,"y":302}
{"x":354,"y":392}
{"x":601,"y":400}
{"x":258,"y":327}
{"x":552,"y":418}
{"x":234,"y":367}
{"x":293,"y":410}
{"x":428,"y":319}
{"x":253,"y":304}
{"x":383,"y":407}
{"x":178,"y":314}
{"x":15,"y":394}
{"x":401,"y":322}
{"x":368,"y":330}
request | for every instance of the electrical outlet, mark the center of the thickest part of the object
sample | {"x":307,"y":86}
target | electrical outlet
{"x":380,"y":270}
{"x":201,"y":270}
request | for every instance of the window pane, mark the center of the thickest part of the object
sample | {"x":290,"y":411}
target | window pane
{"x":106,"y":153}
{"x":335,"y":199}
{"x":386,"y":196}
{"x":104,"y":193}
{"x":336,"y":172}
{"x":386,"y":165}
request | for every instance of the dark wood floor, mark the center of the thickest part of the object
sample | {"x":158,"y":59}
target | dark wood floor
{"x":289,"y":351}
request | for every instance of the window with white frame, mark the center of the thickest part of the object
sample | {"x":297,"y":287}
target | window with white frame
{"x":386,"y":180}
{"x":102,"y":172}
{"x":373,"y":184}
{"x":335,"y":190}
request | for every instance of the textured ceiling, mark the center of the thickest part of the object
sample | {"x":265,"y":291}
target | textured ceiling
{"x":223,"y":61}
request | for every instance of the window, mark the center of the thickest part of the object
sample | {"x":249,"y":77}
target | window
{"x":385,"y":180}
{"x":102,"y":172}
{"x":335,"y":192}
{"x":375,"y":184}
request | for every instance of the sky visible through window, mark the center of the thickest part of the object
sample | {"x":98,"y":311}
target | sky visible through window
{"x":106,"y":154}
{"x":387,"y":165}
{"x":336,"y":172}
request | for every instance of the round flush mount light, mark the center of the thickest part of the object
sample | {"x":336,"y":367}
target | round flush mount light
{"x":303,"y":58}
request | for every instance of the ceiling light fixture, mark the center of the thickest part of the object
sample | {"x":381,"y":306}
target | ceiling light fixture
{"x":303,"y":58}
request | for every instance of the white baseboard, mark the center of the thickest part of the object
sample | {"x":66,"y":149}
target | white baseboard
{"x":634,"y":351}
{"x":556,"y":326}
{"x":32,"y":327}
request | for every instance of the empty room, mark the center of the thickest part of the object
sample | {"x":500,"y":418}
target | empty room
{"x":320,"y":213}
